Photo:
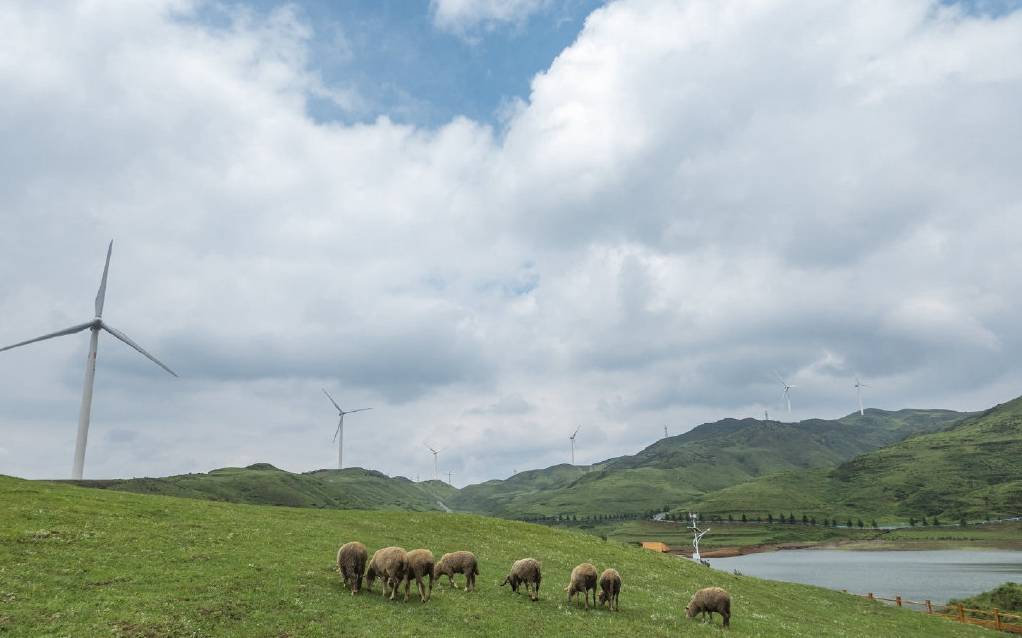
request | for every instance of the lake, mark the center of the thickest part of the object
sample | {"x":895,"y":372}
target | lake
{"x":937,"y":575}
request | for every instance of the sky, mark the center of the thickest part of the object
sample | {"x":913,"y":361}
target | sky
{"x":493,"y":221}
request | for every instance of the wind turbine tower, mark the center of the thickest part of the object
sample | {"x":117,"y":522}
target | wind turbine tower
{"x":339,"y":432}
{"x":436,"y":463}
{"x":787,"y":388}
{"x":97,"y":324}
{"x":572,"y":437}
{"x":450,"y":478}
{"x":859,"y":385}
{"x":665,"y":432}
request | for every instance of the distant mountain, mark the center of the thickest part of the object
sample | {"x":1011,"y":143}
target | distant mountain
{"x":710,"y":457}
{"x":970,"y":469}
{"x":264,"y":484}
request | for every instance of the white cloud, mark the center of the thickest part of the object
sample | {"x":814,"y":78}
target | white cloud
{"x":464,"y":17}
{"x":693,"y":195}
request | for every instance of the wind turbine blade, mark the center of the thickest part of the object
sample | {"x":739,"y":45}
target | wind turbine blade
{"x":123,"y":337}
{"x":358,"y":410}
{"x":779,"y":377}
{"x":332,"y":400}
{"x":337,"y":431}
{"x":101,"y":295}
{"x":59,"y":333}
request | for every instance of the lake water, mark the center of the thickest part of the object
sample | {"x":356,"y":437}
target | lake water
{"x":915,"y":575}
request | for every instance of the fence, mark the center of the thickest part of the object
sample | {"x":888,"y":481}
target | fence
{"x":989,"y":618}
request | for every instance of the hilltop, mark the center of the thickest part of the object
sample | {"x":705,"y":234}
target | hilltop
{"x":972,"y":470}
{"x":681,"y":469}
{"x":264,"y":484}
{"x":81,"y":562}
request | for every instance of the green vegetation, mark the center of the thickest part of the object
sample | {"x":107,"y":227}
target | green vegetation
{"x":971,"y":470}
{"x":680,"y":469}
{"x":1006,"y":597}
{"x":76,"y":562}
{"x":263,"y":484}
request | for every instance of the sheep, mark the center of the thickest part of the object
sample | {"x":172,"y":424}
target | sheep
{"x":389,"y":565}
{"x":351,"y":562}
{"x":458,"y":563}
{"x":610,"y":586}
{"x":583,"y":578}
{"x":419,"y":563}
{"x":527,"y":571}
{"x":709,"y":600}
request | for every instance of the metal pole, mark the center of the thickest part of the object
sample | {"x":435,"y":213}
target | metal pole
{"x":86,"y":410}
{"x":340,"y":442}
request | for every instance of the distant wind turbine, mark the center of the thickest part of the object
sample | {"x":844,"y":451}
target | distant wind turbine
{"x":436,"y":463}
{"x":787,"y":388}
{"x":450,"y":477}
{"x":339,"y":432}
{"x":766,"y":415}
{"x":665,"y":432}
{"x":858,"y":393}
{"x":572,"y":437}
{"x":97,"y":324}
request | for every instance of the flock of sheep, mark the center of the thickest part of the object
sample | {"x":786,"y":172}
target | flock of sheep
{"x":394,"y":565}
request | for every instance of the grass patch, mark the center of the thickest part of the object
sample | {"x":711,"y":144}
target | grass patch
{"x":77,"y":562}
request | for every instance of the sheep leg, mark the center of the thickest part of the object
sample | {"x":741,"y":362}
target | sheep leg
{"x":430,"y":594}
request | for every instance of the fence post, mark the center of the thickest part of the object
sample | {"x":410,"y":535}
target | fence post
{"x":929,"y":606}
{"x":961,"y":613}
{"x":997,"y":619}
{"x":897,"y":600}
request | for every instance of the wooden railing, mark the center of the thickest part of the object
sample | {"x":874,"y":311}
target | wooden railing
{"x":989,"y":618}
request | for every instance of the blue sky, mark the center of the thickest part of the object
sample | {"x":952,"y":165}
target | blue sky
{"x":407,"y":68}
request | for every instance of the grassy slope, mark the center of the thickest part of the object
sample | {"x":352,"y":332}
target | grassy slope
{"x":972,"y":469}
{"x":263,"y":484}
{"x":77,"y":562}
{"x":679,"y":469}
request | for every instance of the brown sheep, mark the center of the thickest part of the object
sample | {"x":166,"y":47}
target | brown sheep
{"x":458,"y":563}
{"x":419,"y":563}
{"x":708,"y":601}
{"x":525,"y":571}
{"x":583,"y":578}
{"x":351,"y":562}
{"x":610,"y":586}
{"x":389,"y":565}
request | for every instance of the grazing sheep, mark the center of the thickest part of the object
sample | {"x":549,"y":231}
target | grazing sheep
{"x":458,"y":563}
{"x":709,"y":600}
{"x":419,"y":563}
{"x":610,"y":586}
{"x":583,"y":578}
{"x":351,"y":562}
{"x":525,"y":571}
{"x":389,"y":565}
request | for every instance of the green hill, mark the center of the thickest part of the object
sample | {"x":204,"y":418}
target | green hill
{"x":972,"y":469}
{"x":78,"y":562}
{"x":682,"y":468}
{"x":263,"y":484}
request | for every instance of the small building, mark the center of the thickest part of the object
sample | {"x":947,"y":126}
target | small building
{"x":655,"y":546}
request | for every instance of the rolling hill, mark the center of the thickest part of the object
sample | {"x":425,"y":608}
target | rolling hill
{"x":264,"y":484}
{"x":972,"y":469}
{"x":87,"y":562}
{"x":681,"y":469}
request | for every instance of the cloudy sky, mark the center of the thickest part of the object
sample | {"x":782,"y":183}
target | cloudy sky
{"x":494,"y":220}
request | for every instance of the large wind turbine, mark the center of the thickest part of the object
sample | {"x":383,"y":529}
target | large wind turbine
{"x":787,"y":387}
{"x":97,"y":324}
{"x":436,"y":463}
{"x":859,"y":385}
{"x":572,"y":437}
{"x":339,"y":432}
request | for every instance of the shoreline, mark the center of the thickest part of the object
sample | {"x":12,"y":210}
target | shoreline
{"x":852,"y":545}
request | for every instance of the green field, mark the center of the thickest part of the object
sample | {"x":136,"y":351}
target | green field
{"x":731,"y":535}
{"x":84,"y":562}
